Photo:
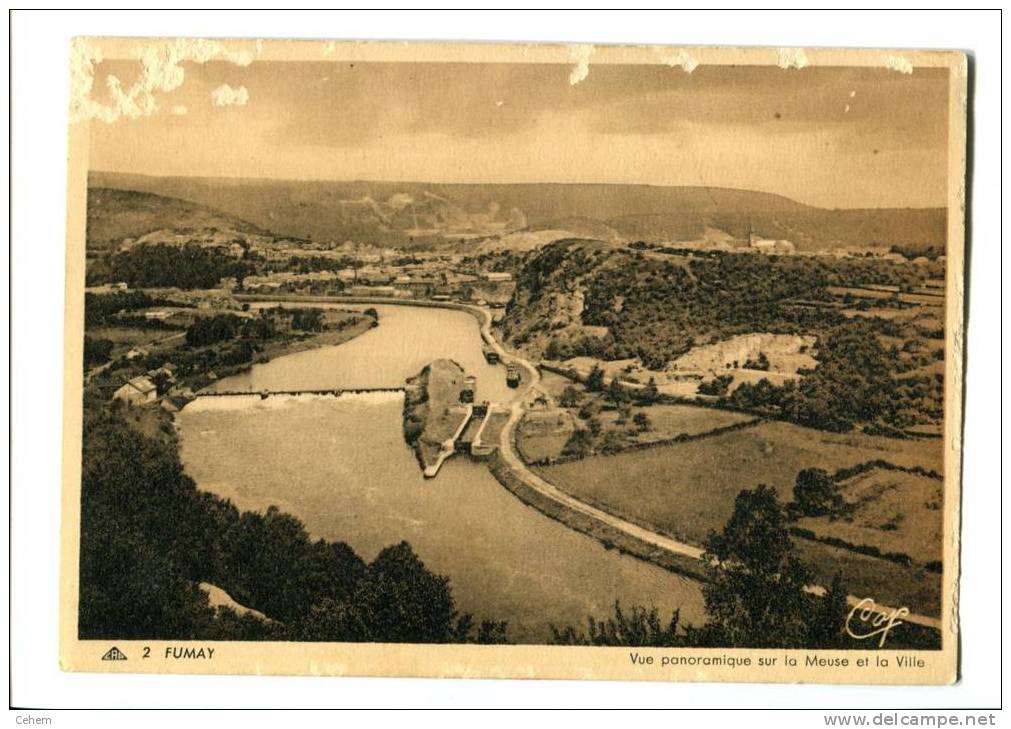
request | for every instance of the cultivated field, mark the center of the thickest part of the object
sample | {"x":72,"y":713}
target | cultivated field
{"x":688,"y":489}
{"x":890,"y":510}
{"x":126,"y":338}
{"x":542,"y":434}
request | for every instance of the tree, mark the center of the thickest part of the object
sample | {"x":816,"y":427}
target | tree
{"x":588,"y":409}
{"x":570,"y":397}
{"x":642,"y":422}
{"x":616,"y":392}
{"x":624,"y":413}
{"x":187,"y":267}
{"x":579,"y":444}
{"x":595,"y":380}
{"x":827,"y":628}
{"x":814,"y":493}
{"x":162,"y":382}
{"x":308,"y":320}
{"x":400,"y":600}
{"x":614,"y":440}
{"x":640,"y":627}
{"x":211,"y":329}
{"x":649,"y":393}
{"x":131,"y":591}
{"x":717,"y":386}
{"x":755,"y":593}
{"x":96,"y":351}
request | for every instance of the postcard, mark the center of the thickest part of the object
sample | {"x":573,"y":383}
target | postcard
{"x":514,"y":361}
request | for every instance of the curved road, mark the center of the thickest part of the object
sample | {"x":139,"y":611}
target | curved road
{"x":546,"y":488}
{"x":551,"y":491}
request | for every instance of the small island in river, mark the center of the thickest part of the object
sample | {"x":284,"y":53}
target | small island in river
{"x":435,"y":410}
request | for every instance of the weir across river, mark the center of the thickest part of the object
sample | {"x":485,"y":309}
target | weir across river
{"x":334,"y":392}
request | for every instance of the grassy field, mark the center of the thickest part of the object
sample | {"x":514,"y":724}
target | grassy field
{"x":888,"y":583}
{"x":126,"y":338}
{"x":493,"y":429}
{"x":542,"y":433}
{"x":688,"y":489}
{"x":891,"y":510}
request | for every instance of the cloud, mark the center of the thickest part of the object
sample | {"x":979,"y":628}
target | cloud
{"x":160,"y":72}
{"x":581,"y":55}
{"x":179,"y":110}
{"x":225,"y":95}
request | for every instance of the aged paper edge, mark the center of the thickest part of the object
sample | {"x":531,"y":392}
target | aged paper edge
{"x":522,"y":661}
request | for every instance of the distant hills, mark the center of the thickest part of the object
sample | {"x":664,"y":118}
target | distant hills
{"x":115,"y":215}
{"x":488,"y":216}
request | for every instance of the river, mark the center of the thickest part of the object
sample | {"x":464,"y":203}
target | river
{"x":341,"y":466}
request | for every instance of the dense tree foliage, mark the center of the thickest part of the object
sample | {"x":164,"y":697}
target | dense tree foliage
{"x":754,"y":594}
{"x":854,"y":382}
{"x":149,"y":537}
{"x":579,"y":443}
{"x":872,"y":371}
{"x":638,"y":626}
{"x":570,"y":397}
{"x":96,"y":351}
{"x":595,"y":380}
{"x":827,"y":625}
{"x":307,"y":320}
{"x":100,"y":308}
{"x":212,"y":329}
{"x":717,"y":386}
{"x":666,"y":308}
{"x":815,"y":494}
{"x":185,"y":267}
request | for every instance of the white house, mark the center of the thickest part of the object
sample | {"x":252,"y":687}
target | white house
{"x":137,"y":391}
{"x":160,"y":314}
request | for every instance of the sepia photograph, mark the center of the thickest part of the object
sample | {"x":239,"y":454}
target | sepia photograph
{"x":560,"y":361}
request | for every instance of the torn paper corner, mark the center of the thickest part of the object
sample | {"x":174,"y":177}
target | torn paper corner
{"x":792,"y":58}
{"x":581,"y":55}
{"x":681,"y":59}
{"x":898,"y":63}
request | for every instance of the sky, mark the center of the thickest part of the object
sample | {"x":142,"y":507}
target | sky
{"x":832,"y":137}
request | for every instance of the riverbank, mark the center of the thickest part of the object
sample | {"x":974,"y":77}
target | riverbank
{"x":609,"y":536}
{"x":201,"y":368}
{"x":323,"y":339}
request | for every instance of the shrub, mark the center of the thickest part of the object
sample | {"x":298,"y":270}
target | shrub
{"x":815,"y":494}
